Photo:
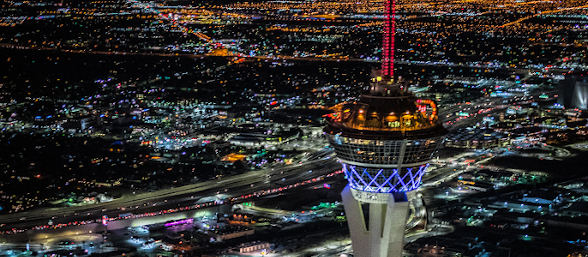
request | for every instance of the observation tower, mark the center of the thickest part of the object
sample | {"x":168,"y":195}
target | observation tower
{"x":384,"y":142}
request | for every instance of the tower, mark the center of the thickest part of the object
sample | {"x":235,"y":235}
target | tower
{"x":384,"y":142}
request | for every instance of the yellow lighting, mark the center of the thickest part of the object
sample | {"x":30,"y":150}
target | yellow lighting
{"x":233,"y":157}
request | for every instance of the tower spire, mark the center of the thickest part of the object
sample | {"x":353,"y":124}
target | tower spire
{"x":388,"y":39}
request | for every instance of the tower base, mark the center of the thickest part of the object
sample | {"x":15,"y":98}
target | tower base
{"x":384,"y":235}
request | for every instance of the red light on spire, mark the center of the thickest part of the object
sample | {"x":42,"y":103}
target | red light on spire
{"x":388,"y":38}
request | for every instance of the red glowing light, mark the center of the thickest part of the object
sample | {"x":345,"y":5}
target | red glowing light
{"x":388,"y":38}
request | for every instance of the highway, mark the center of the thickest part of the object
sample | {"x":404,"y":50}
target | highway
{"x":235,"y":189}
{"x":249,"y":184}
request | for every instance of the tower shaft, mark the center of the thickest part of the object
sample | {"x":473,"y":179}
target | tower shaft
{"x":388,"y":38}
{"x":383,"y":233}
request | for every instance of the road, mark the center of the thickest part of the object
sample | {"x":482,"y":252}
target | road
{"x":233,"y":186}
{"x":557,"y":69}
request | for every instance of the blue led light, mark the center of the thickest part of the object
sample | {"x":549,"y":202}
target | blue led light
{"x":363,"y":180}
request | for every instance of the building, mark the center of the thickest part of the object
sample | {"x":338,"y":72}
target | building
{"x":229,"y":232}
{"x":477,"y":139}
{"x":253,"y":246}
{"x":384,"y":142}
{"x":573,"y":91}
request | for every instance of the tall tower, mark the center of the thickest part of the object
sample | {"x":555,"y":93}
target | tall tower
{"x":384,"y":142}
